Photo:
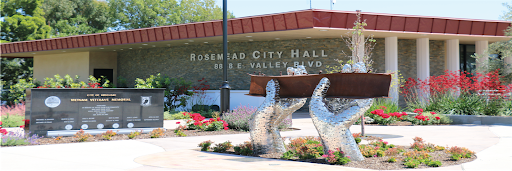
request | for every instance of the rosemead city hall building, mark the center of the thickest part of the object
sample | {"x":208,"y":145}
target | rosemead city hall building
{"x":417,"y":46}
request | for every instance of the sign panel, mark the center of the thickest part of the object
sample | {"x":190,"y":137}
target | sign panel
{"x":108,"y":108}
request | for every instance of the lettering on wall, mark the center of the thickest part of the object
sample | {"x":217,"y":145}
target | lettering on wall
{"x":239,"y":59}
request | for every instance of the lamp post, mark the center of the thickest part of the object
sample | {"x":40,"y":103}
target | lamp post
{"x":224,"y":89}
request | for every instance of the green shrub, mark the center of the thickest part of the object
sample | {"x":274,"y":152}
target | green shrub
{"x":81,"y":136}
{"x":180,"y":133}
{"x":215,"y":126}
{"x":134,"y":134}
{"x":12,"y":120}
{"x":17,"y":138}
{"x":358,"y":140}
{"x":336,"y":157}
{"x":173,"y":115}
{"x":108,"y":135}
{"x":156,"y":133}
{"x":288,"y":155}
{"x":222,"y":147}
{"x":392,"y":160}
{"x":434,"y":163}
{"x":205,"y":145}
{"x":412,"y":163}
{"x":244,"y":148}
{"x":16,"y":93}
{"x":175,"y":89}
{"x":388,"y":106}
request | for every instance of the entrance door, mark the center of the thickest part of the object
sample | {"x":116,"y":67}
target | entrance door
{"x":107,"y":73}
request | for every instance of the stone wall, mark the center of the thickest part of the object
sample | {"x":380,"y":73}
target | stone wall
{"x":189,"y":61}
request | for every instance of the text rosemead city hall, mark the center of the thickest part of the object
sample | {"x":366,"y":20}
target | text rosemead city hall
{"x":259,"y":55}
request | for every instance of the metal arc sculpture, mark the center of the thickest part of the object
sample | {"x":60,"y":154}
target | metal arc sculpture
{"x":337,"y":101}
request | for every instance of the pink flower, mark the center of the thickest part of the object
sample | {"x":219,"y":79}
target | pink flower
{"x":22,"y":126}
{"x":383,"y":107}
{"x":437,"y":117}
{"x":348,"y":157}
{"x":177,"y":122}
{"x":226,"y":128}
{"x":0,"y":122}
{"x":433,"y":113}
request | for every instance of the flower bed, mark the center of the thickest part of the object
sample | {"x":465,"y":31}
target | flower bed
{"x":379,"y":154}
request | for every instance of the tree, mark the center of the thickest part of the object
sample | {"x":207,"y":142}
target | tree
{"x":132,"y":14}
{"x":200,"y":10}
{"x":75,"y":17}
{"x":23,"y":20}
{"x":501,"y":51}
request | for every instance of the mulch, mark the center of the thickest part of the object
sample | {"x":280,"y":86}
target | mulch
{"x":380,"y":163}
{"x":167,"y":134}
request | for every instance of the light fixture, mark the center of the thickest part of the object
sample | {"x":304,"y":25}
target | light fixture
{"x":140,"y":47}
{"x":308,"y":37}
{"x":102,"y":48}
{"x":205,"y":42}
{"x":323,"y":30}
{"x":248,"y":36}
{"x":153,"y":45}
{"x":168,"y":44}
{"x":250,"y":40}
{"x":129,"y":48}
{"x":121,"y":49}
{"x":114,"y":50}
{"x":33,"y":53}
{"x":228,"y":41}
{"x":144,"y":44}
{"x":63,"y":51}
{"x":186,"y":43}
{"x":278,"y":38}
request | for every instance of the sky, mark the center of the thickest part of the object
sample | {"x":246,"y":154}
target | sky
{"x":481,"y":9}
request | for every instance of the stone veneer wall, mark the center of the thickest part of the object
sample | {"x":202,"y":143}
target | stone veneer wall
{"x":176,"y":61}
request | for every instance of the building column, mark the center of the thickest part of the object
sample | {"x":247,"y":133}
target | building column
{"x":453,"y":56}
{"x":422,"y":64}
{"x":508,"y":64}
{"x":422,"y":58}
{"x":480,"y":48}
{"x":391,"y":63}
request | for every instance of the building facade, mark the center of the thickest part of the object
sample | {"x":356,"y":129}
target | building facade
{"x":417,"y":46}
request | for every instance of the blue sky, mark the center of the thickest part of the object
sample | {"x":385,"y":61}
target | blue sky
{"x":482,"y":9}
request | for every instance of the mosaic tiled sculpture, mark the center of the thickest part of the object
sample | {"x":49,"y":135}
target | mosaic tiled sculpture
{"x":265,"y":121}
{"x":333,"y":117}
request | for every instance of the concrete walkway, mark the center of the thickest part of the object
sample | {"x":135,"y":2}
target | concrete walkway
{"x":492,"y":144}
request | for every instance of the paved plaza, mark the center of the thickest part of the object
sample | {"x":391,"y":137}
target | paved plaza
{"x":491,"y":144}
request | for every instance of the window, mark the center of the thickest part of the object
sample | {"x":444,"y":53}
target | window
{"x":467,"y":63}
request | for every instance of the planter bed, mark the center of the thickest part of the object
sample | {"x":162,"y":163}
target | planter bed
{"x":169,"y":133}
{"x":377,"y":163}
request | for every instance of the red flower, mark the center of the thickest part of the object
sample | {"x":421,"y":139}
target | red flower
{"x":418,"y":110}
{"x":433,"y":113}
{"x":178,"y":122}
{"x":383,"y":107}
{"x":22,"y":126}
{"x":0,"y":122}
{"x":226,"y":128}
{"x":3,"y":131}
{"x":437,"y":117}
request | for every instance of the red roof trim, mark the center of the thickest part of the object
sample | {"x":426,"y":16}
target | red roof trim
{"x":271,"y":22}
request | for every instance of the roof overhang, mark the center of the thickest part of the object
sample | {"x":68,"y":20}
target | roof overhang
{"x":305,"y":24}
